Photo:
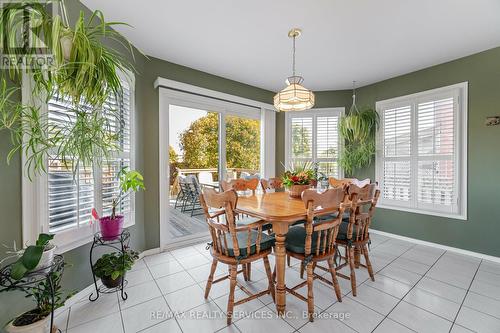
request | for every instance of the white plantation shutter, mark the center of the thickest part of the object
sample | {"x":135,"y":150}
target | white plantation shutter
{"x":313,"y":136}
{"x":436,"y":152}
{"x":396,"y":129}
{"x":421,"y":155}
{"x":71,"y":197}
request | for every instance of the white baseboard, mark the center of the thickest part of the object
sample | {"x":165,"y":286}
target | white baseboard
{"x":439,"y":246}
{"x":149,"y":252}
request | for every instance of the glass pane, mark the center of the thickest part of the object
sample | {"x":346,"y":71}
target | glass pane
{"x":194,"y":164}
{"x":397,"y":131}
{"x":302,"y":137}
{"x":111,"y":186}
{"x":435,"y":182}
{"x":397,"y":176}
{"x":242,"y":147}
{"x":327,"y":137}
{"x":329,"y":169}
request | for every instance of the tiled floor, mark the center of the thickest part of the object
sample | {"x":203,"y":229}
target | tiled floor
{"x":416,"y":289}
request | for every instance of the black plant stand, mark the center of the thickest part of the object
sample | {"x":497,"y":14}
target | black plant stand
{"x":120,"y":243}
{"x":32,"y":281}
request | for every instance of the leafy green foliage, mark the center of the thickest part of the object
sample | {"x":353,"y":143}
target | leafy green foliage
{"x":130,"y":181}
{"x":84,"y":71}
{"x":200,"y":144}
{"x":30,"y":257}
{"x":301,"y":143}
{"x":115,"y":264}
{"x":358,"y":130}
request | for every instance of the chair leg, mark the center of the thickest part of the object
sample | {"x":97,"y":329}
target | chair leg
{"x":269,"y":277}
{"x":288,"y":261}
{"x":245,"y":272}
{"x":302,"y":269}
{"x":350,"y":258}
{"x":232,"y":285}
{"x":368,"y":262}
{"x":210,"y":278}
{"x":310,"y":294}
{"x":357,"y":255}
{"x":249,"y":271}
{"x":336,"y":285}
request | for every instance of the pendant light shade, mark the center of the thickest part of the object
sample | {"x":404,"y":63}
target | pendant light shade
{"x":295,"y":97}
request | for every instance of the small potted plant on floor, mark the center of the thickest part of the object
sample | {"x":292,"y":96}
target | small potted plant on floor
{"x":37,"y":320}
{"x":130,"y":181}
{"x":112,"y":267}
{"x":298,"y":177}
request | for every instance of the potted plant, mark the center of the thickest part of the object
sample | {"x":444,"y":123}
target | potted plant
{"x":33,"y":257}
{"x":358,"y":129}
{"x":112,"y":267}
{"x":37,"y":320}
{"x":298,"y":177}
{"x":130,"y":181}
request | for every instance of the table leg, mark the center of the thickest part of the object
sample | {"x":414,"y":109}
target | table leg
{"x":280,"y":251}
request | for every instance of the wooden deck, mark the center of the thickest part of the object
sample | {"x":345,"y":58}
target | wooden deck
{"x":182,"y":224}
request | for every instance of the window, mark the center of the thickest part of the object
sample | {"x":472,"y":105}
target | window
{"x":60,"y":202}
{"x":313,"y":136}
{"x":421,"y":152}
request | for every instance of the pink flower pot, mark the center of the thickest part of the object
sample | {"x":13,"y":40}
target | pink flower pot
{"x":111,"y":228}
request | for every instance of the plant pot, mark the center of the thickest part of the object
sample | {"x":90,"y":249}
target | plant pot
{"x":47,"y":259}
{"x":112,"y":283}
{"x":66,"y":46}
{"x":296,"y":190}
{"x":111,"y":228}
{"x":41,"y":326}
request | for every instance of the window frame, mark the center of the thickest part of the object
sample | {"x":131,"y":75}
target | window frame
{"x":459,"y":92}
{"x":35,"y":191}
{"x":314,"y":113}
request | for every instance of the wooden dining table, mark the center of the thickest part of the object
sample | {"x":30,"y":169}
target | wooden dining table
{"x":282,"y":211}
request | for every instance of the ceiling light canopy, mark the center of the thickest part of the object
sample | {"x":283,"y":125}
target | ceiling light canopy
{"x":295,"y":97}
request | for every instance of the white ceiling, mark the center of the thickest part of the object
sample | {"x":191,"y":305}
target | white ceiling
{"x":342,"y":40}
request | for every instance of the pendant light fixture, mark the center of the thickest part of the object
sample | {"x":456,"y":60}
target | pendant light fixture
{"x":294,"y":97}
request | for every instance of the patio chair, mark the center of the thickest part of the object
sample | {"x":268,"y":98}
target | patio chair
{"x":316,"y":241}
{"x":234,"y":245}
{"x":354,"y":235}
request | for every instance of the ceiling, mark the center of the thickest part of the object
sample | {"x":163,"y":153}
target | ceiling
{"x":342,"y":40}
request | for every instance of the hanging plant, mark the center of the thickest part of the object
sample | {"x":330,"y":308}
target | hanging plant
{"x":358,"y":129}
{"x":84,"y":74}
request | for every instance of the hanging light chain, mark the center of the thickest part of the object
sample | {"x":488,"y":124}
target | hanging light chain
{"x":293,"y":60}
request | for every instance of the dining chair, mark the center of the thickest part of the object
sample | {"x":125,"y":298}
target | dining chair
{"x":354,"y":234}
{"x":271,"y":184}
{"x":340,"y":182}
{"x":315,"y":241}
{"x":240,"y":184}
{"x":234,"y":245}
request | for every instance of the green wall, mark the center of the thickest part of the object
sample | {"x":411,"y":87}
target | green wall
{"x":480,"y":232}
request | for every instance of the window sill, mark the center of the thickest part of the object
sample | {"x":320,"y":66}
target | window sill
{"x":462,"y":217}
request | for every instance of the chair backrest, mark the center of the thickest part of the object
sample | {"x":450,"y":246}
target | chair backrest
{"x":342,"y":182}
{"x":194,"y":185}
{"x":363,"y":201}
{"x":240,"y":184}
{"x":223,"y":229}
{"x":271,"y":184}
{"x":323,"y":232}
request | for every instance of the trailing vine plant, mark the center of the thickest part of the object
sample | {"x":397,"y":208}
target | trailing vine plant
{"x":84,"y":76}
{"x":358,"y":129}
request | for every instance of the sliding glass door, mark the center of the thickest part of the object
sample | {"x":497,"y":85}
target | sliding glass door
{"x":206,"y":144}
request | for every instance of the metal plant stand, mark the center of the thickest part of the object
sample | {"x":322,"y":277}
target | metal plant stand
{"x":33,"y":279}
{"x":120,"y":243}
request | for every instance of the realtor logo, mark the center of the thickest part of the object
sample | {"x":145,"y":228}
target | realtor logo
{"x":25,"y":30}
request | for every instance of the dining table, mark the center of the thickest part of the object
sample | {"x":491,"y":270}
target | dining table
{"x":281,"y":211}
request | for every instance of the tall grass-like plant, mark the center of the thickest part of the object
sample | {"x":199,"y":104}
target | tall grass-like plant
{"x":358,"y":129}
{"x":84,"y":73}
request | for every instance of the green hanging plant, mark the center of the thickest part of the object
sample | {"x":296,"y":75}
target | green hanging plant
{"x":358,"y":129}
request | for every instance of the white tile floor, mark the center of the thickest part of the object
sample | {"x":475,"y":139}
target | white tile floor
{"x":416,"y":289}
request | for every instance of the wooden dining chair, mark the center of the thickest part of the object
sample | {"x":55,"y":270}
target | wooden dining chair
{"x":271,"y":184}
{"x":234,"y":245}
{"x":240,"y":184}
{"x":340,"y":182}
{"x":354,"y":235}
{"x":316,"y":241}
